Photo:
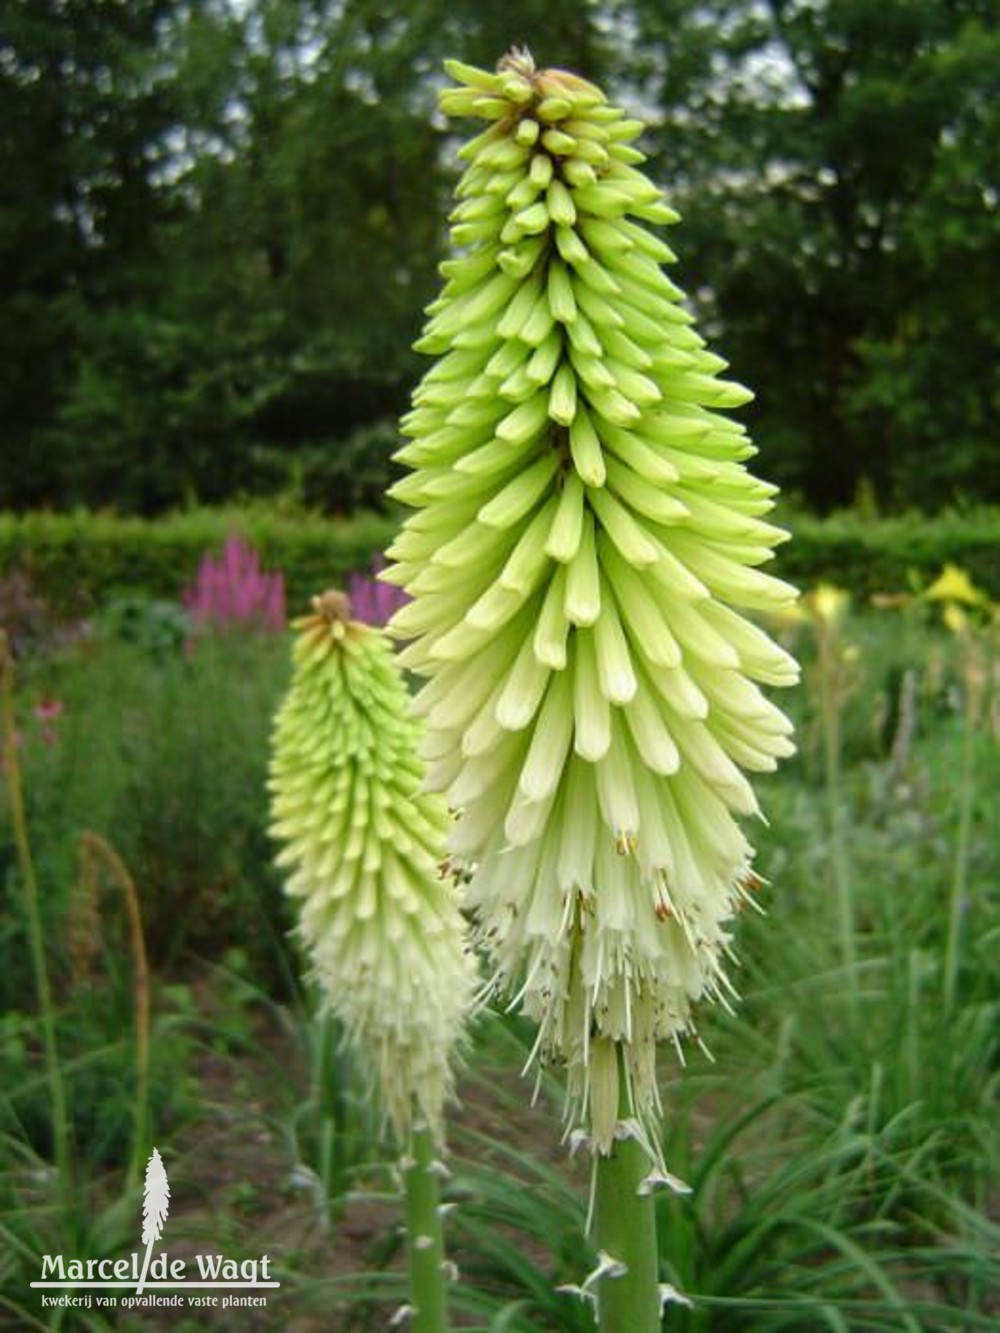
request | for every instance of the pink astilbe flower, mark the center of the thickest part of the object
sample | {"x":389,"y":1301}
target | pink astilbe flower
{"x":234,"y":591}
{"x":372,"y":601}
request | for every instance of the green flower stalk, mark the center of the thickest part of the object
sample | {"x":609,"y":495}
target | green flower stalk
{"x":586,"y":539}
{"x":364,"y":850}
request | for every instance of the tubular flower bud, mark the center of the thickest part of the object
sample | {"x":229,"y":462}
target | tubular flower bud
{"x":587,"y":537}
{"x":363,"y":848}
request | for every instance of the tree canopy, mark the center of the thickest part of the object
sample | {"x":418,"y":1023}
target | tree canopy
{"x":220,"y":222}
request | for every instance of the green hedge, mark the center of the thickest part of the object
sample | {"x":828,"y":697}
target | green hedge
{"x":75,"y":561}
{"x":869,"y":555}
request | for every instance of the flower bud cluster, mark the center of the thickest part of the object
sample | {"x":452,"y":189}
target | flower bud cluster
{"x":587,"y":538}
{"x":363,"y":849}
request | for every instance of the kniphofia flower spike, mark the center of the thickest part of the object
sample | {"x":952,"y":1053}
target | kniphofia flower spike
{"x":364,"y":848}
{"x":587,"y":538}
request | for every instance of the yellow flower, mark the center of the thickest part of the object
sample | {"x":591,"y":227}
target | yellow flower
{"x":954,"y":585}
{"x":828,"y":603}
{"x":955,"y":618}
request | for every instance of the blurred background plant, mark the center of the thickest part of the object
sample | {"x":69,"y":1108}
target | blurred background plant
{"x":234,"y":593}
{"x":371,"y":600}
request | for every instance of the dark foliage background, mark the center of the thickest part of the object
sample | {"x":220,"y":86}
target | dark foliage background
{"x":220,"y":221}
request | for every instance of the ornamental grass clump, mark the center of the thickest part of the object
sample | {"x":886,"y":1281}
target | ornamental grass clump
{"x":587,"y":538}
{"x":379,"y":918}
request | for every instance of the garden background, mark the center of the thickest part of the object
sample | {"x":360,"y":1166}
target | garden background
{"x":219,"y":225}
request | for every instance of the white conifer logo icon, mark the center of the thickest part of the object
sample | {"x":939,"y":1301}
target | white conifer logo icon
{"x":155,"y":1205}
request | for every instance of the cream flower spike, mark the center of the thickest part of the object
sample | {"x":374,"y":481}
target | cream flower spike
{"x":364,"y":849}
{"x":586,"y":540}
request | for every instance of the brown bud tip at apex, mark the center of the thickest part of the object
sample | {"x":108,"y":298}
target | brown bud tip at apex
{"x":518,"y":60}
{"x":332,"y":606}
{"x":329,"y":619}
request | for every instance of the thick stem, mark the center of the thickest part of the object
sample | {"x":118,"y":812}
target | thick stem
{"x":626,"y":1233}
{"x":425,"y":1237}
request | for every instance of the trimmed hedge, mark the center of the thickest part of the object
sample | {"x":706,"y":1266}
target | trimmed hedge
{"x":900,"y":554}
{"x":76,"y":561}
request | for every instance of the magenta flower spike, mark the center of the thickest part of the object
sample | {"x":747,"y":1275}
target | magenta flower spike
{"x":374,"y":602}
{"x":234,"y":591}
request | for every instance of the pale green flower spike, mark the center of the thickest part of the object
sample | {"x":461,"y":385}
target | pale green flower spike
{"x":364,"y":848}
{"x":585,"y":527}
